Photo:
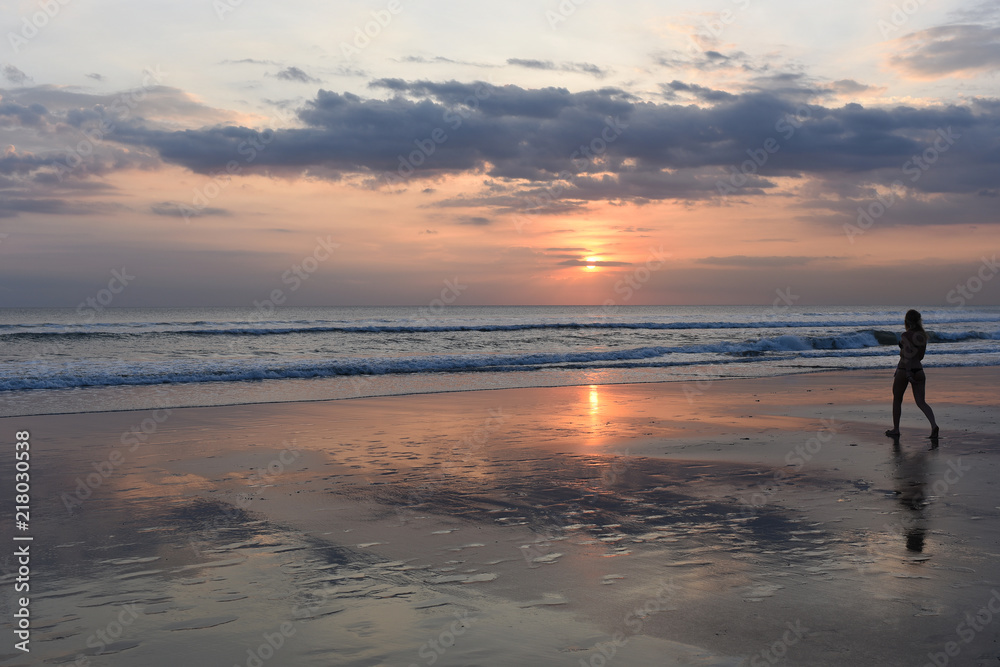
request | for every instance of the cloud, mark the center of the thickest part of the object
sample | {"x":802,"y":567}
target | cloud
{"x":584,"y":262}
{"x":476,"y":221}
{"x":250,"y":61}
{"x":849,"y":87}
{"x":26,"y":115}
{"x":755,"y":261}
{"x":709,"y":61}
{"x":549,"y":150}
{"x":15,"y":76}
{"x":441,"y":60}
{"x":11,"y":207}
{"x":182,"y":210}
{"x":96,"y":77}
{"x":295,"y":74}
{"x":701,"y":92}
{"x":957,"y":50}
{"x":585,"y":68}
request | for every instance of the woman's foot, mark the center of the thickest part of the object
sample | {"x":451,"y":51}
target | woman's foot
{"x":892,"y":432}
{"x":934,"y":432}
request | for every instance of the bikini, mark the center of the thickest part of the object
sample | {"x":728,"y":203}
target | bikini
{"x":906,"y":355}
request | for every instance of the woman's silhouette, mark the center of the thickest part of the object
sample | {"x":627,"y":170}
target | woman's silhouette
{"x":909,"y":371}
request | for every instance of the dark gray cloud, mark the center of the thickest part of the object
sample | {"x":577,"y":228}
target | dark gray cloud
{"x":550,"y":150}
{"x":96,"y":77}
{"x":475,"y":221}
{"x":950,"y":49}
{"x":709,"y":61}
{"x":12,"y":206}
{"x":31,"y":114}
{"x":584,"y":68}
{"x":295,"y":74}
{"x":15,"y":76}
{"x":987,"y":11}
{"x":701,"y":92}
{"x":185,"y":210}
{"x":849,"y":87}
{"x":541,"y":135}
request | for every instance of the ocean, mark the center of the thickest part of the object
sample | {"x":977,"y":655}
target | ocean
{"x":63,"y":361}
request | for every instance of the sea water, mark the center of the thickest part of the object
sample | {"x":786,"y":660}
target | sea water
{"x":57,"y":361}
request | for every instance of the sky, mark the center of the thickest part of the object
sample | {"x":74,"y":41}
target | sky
{"x":227,"y":152}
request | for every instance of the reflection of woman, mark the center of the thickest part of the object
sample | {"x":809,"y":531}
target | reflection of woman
{"x":911,"y":478}
{"x":909,"y":371}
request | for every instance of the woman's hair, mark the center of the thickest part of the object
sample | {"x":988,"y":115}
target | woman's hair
{"x":912,"y":320}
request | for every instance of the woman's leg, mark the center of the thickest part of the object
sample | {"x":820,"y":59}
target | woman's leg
{"x":918,"y":396}
{"x":898,"y":389}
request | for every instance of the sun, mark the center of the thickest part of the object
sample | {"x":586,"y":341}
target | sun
{"x":592,"y":263}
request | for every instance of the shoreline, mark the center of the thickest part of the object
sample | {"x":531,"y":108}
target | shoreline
{"x":167,"y":388}
{"x":372,"y":525}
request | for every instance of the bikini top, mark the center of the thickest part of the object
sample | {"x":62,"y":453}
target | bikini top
{"x":911,"y":349}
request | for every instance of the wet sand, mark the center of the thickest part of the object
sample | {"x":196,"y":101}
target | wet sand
{"x":753,"y":522}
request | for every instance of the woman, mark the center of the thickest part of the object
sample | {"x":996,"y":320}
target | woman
{"x":912,"y":345}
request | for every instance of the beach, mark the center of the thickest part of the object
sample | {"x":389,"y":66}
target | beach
{"x":753,"y":521}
